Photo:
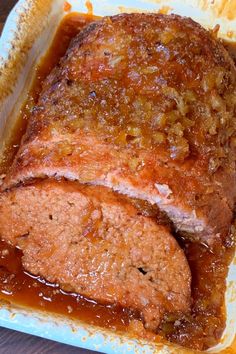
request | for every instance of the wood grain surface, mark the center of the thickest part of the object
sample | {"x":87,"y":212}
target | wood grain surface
{"x":5,"y":7}
{"x":12,"y":342}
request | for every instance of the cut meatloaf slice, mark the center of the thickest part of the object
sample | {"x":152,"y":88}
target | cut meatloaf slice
{"x":93,"y":242}
{"x":144,"y":104}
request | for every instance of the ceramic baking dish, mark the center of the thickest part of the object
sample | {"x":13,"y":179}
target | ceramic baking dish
{"x":26,"y":37}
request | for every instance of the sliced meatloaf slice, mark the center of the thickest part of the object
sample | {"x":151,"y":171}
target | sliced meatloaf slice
{"x":144,"y":104}
{"x":93,"y":242}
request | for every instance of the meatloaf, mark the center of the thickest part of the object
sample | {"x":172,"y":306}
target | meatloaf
{"x":93,"y":242}
{"x":143,"y":104}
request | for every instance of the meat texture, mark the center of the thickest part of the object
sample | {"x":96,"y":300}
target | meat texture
{"x":93,"y":242}
{"x":143,"y":104}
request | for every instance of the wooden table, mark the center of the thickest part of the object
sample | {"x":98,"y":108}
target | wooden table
{"x":12,"y":342}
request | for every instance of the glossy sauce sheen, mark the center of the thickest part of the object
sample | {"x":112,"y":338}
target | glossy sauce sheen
{"x":202,"y":329}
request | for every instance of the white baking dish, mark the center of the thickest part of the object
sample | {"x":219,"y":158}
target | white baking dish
{"x":27,"y":35}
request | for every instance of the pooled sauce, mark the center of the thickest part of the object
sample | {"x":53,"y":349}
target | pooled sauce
{"x":200,"y":330}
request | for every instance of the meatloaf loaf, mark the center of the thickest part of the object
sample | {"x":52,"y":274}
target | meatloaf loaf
{"x":143,"y":104}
